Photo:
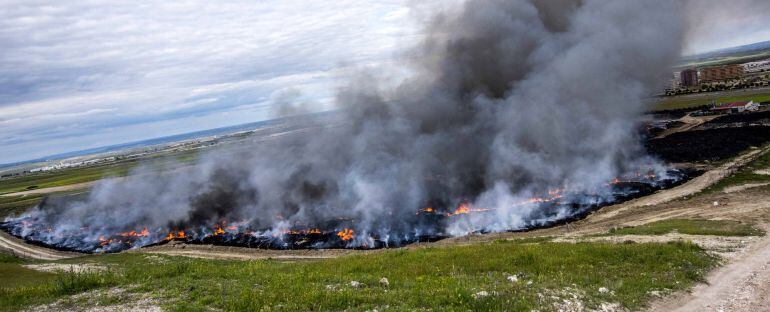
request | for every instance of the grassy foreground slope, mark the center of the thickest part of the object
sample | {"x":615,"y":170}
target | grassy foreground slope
{"x":476,"y":277}
{"x":12,"y":274}
{"x":691,"y":227}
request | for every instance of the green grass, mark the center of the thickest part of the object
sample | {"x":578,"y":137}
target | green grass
{"x":685,"y":101}
{"x":16,"y":204}
{"x":62,"y":177}
{"x":13,"y":274}
{"x":691,"y":227}
{"x":744,"y":175}
{"x":70,"y":176}
{"x":10,"y":205}
{"x":433,"y":278}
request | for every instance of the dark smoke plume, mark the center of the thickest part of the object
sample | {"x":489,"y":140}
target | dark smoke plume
{"x":506,"y":100}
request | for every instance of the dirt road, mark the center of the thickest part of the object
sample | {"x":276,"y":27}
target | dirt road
{"x":24,"y":250}
{"x":741,"y":285}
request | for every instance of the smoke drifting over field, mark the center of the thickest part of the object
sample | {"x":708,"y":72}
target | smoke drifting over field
{"x":508,"y":100}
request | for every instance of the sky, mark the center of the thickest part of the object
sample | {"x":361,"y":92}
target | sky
{"x":83,"y":74}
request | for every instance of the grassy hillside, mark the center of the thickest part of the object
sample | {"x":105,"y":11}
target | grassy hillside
{"x":14,"y":275}
{"x":70,"y":176}
{"x":460,"y":278}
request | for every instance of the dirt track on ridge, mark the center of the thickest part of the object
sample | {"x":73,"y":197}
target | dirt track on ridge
{"x":21,"y":249}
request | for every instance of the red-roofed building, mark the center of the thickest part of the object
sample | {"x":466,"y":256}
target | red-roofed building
{"x":736,"y":107}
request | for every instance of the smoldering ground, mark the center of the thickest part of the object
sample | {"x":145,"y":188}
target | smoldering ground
{"x":506,"y":100}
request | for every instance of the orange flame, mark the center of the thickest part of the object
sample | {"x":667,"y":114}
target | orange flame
{"x":465,"y":208}
{"x":425,"y":210}
{"x":346,"y":234}
{"x":179,"y":234}
{"x":143,"y":233}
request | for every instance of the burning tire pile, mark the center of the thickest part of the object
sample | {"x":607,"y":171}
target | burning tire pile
{"x":559,"y":207}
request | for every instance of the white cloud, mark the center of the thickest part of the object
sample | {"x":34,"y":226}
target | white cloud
{"x":86,"y":73}
{"x":717,"y":24}
{"x":70,"y":70}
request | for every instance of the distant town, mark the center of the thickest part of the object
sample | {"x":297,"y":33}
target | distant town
{"x":721,"y":77}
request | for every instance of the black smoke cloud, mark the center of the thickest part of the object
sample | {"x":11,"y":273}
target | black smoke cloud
{"x":505,"y":100}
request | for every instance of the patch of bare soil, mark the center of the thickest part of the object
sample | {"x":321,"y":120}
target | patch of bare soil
{"x":65,"y":267}
{"x":738,"y":188}
{"x":110,"y":300}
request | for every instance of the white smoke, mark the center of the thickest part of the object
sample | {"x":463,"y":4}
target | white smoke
{"x":507,"y":100}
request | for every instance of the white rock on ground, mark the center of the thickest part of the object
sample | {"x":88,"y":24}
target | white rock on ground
{"x":355,"y":284}
{"x":384,"y":282}
{"x":513,"y":279}
{"x":603,"y":290}
{"x":481,"y":294}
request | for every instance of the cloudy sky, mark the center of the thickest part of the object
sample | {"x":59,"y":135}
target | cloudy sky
{"x":83,"y":74}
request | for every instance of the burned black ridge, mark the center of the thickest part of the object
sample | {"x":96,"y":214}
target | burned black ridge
{"x":427,"y":224}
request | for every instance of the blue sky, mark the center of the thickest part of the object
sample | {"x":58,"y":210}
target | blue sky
{"x":83,"y":74}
